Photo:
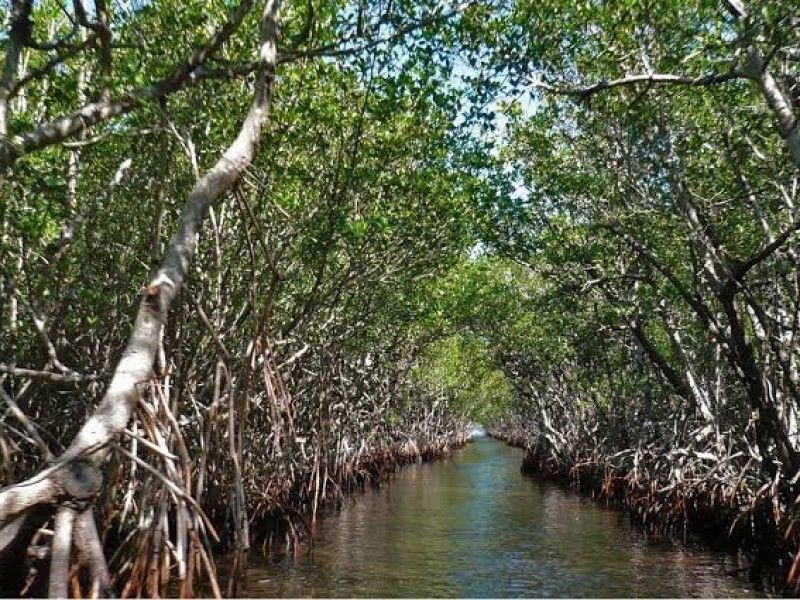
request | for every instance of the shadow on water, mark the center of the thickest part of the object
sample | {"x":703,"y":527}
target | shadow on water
{"x":473,"y":526}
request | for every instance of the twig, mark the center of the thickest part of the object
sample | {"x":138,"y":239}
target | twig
{"x":39,"y":322}
{"x":68,"y":233}
{"x":26,"y":423}
{"x":71,"y":377}
{"x":158,"y":450}
{"x":214,"y":336}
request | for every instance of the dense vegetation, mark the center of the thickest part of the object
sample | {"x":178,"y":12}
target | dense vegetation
{"x":254,"y":255}
{"x":658,"y":232}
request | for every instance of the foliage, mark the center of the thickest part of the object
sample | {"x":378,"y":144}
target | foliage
{"x":574,"y":218}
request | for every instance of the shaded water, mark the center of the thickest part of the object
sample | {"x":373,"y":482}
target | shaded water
{"x":473,"y":526}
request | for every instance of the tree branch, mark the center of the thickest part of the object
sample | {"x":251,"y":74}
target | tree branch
{"x":103,"y":30}
{"x":61,"y":552}
{"x":26,"y":423}
{"x":778,"y":102}
{"x":188,"y":73}
{"x":49,"y":65}
{"x":691,"y":299}
{"x":20,"y":28}
{"x":650,"y":79}
{"x":70,"y":377}
{"x":87,"y":540}
{"x":741,"y":269}
{"x":60,"y":129}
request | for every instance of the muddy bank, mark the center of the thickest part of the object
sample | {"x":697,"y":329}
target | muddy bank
{"x":723,"y":513}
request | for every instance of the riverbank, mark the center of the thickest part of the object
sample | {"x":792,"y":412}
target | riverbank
{"x":274,"y":504}
{"x":734,"y":515}
{"x":290,"y":522}
{"x":470,"y":526}
{"x":288,"y":517}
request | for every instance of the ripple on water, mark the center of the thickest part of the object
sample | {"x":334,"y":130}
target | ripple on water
{"x":472,"y":526}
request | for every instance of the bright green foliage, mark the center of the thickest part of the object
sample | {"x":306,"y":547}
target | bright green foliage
{"x":462,"y":369}
{"x":656,"y":205}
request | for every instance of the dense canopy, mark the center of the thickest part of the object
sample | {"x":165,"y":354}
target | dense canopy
{"x":254,"y":254}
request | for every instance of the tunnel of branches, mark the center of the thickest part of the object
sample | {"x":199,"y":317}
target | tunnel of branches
{"x":255,"y":256}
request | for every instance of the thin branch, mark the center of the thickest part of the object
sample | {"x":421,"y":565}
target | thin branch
{"x":60,"y":129}
{"x":58,"y":44}
{"x":71,"y":377}
{"x":294,"y":357}
{"x":26,"y":423}
{"x":68,"y":233}
{"x":174,"y":489}
{"x":39,"y":323}
{"x":163,"y":453}
{"x":693,"y":300}
{"x":49,"y":65}
{"x":305,"y":33}
{"x":650,"y":79}
{"x":214,"y":336}
{"x":191,"y":72}
{"x":338,"y":48}
{"x":334,"y":49}
{"x":741,"y":269}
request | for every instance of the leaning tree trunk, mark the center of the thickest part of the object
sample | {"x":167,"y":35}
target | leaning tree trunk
{"x":69,"y":485}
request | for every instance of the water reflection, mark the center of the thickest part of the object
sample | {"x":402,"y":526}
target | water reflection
{"x":472,"y":526}
{"x":478,"y":432}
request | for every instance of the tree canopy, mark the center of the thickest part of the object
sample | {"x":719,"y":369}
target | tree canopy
{"x":253,"y":252}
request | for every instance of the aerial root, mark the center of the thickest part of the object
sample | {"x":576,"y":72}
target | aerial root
{"x":677,"y":491}
{"x":61,"y":553}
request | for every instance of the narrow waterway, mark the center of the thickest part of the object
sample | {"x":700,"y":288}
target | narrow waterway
{"x":472,"y":526}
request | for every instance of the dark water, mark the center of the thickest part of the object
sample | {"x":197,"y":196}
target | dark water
{"x":473,"y":526}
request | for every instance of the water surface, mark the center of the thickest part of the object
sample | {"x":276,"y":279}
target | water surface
{"x":472,"y":526}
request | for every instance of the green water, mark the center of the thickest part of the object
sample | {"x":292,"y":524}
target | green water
{"x":472,"y":526}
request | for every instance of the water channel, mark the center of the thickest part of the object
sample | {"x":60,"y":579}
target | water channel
{"x":472,"y":526}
